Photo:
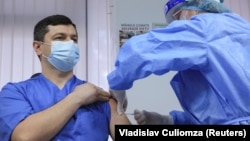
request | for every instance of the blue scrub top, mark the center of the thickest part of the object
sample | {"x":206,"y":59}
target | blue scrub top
{"x":19,"y":100}
{"x":210,"y":53}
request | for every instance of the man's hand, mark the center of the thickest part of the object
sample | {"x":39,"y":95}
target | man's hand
{"x":89,"y":93}
{"x":121,"y":98}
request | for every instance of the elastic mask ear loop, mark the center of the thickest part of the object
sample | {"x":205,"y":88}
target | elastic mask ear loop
{"x":45,"y":56}
{"x":184,"y":16}
{"x":47,"y":45}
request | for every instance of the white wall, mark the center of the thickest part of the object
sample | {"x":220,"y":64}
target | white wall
{"x":241,"y":7}
{"x":154,"y":92}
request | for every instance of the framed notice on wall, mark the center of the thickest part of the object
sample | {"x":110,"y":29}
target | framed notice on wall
{"x":129,"y":30}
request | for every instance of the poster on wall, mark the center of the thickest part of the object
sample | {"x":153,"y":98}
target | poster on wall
{"x":129,"y":30}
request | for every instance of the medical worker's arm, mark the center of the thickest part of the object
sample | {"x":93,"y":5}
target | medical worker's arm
{"x":180,"y":46}
{"x":116,"y":119}
{"x":180,"y":118}
{"x":44,"y":125}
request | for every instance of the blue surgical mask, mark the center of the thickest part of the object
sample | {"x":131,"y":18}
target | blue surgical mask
{"x":64,"y":55}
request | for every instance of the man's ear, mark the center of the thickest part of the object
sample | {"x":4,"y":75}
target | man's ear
{"x":37,"y":47}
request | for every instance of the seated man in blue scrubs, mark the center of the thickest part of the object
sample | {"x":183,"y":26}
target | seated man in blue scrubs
{"x":56,"y":105}
{"x":209,"y":48}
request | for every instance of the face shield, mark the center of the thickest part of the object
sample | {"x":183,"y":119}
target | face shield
{"x":171,"y":7}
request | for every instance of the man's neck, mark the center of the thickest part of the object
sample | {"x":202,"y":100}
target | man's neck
{"x":57,"y":77}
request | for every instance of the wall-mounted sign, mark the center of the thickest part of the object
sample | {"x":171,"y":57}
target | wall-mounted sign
{"x":129,"y":30}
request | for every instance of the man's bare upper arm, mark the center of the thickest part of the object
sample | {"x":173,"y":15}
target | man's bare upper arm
{"x":116,"y":119}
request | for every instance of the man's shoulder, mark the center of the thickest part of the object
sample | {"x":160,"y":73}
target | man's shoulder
{"x":18,"y":86}
{"x":79,"y":80}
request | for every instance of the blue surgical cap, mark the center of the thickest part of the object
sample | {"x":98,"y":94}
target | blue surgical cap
{"x":212,"y":6}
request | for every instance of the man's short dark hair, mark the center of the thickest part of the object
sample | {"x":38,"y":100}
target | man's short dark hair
{"x":41,"y":28}
{"x":35,"y":75}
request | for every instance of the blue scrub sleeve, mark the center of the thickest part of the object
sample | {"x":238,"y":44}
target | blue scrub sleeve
{"x":179,"y":46}
{"x":14,"y":108}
